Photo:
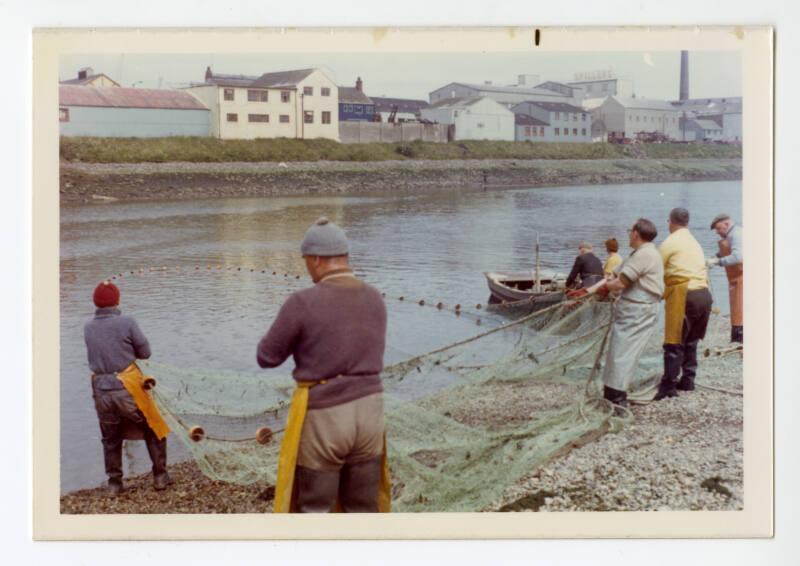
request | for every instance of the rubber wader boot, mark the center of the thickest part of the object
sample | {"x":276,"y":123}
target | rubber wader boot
{"x":316,"y":490}
{"x":616,"y":396}
{"x":359,"y":486}
{"x":157,"y":449}
{"x":111,"y":432}
{"x":737,"y":334}
{"x":673,"y":359}
{"x":689,"y":369}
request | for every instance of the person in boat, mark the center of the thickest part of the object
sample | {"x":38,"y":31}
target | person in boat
{"x":333,"y":455}
{"x":587,"y":268}
{"x":614,"y":259}
{"x":688,"y":305}
{"x":730,"y":257}
{"x":640,"y":281}
{"x":113,"y":343}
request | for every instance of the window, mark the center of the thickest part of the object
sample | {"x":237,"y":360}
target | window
{"x":583,"y":117}
{"x":566,"y":131}
{"x":558,"y":115}
{"x":284,"y":118}
{"x":256,"y":96}
{"x":583,"y":131}
{"x":285,"y":96}
{"x":357,"y":109}
{"x":308,"y":91}
{"x":227,"y":94}
{"x":233,"y":117}
{"x":326,"y":117}
{"x":63,"y":114}
{"x":605,"y":87}
{"x":574,"y":117}
{"x":541,"y":131}
{"x":574,"y":131}
{"x":557,"y":132}
{"x":325,"y":91}
{"x":308,"y":117}
{"x":527,"y":130}
{"x":263,"y":118}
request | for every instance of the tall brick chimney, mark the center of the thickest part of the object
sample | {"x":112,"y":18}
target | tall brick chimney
{"x":209,"y":74}
{"x":684,"y":92}
{"x":359,"y":85}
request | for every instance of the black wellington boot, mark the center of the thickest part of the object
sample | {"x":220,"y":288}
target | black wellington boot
{"x":673,"y":358}
{"x":316,"y":490}
{"x":616,"y":396}
{"x":689,"y":367}
{"x":359,"y":486}
{"x":737,"y":334}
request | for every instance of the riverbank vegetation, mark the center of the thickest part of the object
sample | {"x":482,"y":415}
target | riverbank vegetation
{"x":213,"y":150}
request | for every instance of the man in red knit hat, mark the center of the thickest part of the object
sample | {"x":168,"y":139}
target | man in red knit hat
{"x":113,"y":343}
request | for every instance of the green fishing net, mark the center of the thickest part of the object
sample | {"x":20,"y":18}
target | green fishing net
{"x":463,"y":422}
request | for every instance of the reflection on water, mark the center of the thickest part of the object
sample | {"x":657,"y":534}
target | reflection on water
{"x":433,"y":246}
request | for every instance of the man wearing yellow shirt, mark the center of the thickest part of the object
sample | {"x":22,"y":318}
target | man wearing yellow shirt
{"x":688,"y":305}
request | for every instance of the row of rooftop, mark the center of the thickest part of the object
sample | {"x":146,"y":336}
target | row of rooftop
{"x":307,"y":103}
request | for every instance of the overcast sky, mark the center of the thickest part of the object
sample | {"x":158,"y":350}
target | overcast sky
{"x":654,"y":74}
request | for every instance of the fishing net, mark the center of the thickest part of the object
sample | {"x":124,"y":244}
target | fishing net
{"x":464,"y":421}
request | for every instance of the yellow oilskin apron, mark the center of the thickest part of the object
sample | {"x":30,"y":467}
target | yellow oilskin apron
{"x":133,"y":380}
{"x":287,"y":461}
{"x":675,"y":309}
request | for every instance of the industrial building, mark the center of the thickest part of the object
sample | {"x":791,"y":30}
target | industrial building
{"x":288,"y":104}
{"x":398,"y":109}
{"x":727,"y":112}
{"x":506,"y":95}
{"x":563,"y":122}
{"x":354,"y":105}
{"x":130,"y":112}
{"x":599,"y":84}
{"x":475,"y":118}
{"x":627,"y":117}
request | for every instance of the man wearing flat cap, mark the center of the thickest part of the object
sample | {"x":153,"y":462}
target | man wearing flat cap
{"x":333,"y":454}
{"x":730,"y":257}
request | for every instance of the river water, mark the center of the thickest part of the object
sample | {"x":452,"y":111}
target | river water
{"x":198,"y":275}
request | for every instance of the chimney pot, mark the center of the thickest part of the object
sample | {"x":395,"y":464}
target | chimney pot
{"x":209,"y":74}
{"x":359,"y":85}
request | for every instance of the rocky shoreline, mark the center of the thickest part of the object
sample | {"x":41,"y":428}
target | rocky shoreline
{"x":97,"y":182}
{"x":684,"y":453}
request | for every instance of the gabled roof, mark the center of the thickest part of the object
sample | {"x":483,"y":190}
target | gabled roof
{"x":554,"y":106}
{"x":282,"y":79}
{"x":526,"y":120}
{"x":708,"y":124}
{"x":120,"y":97}
{"x":409,"y":105}
{"x":88,"y":80}
{"x":643,"y":103}
{"x":231,"y":80}
{"x":460,"y":102}
{"x":507,"y":89}
{"x":351,"y":95}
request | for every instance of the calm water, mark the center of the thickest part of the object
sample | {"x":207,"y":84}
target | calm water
{"x":431,"y":246}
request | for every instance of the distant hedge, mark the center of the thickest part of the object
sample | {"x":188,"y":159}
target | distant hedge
{"x":213,"y":150}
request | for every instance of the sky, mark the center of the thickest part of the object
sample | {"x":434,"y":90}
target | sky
{"x":655,"y":74}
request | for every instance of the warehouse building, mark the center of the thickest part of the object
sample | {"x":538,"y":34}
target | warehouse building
{"x":506,"y":95}
{"x":399,"y":109}
{"x":130,"y":112}
{"x":627,"y":117}
{"x":565,"y":122}
{"x":476,"y":118}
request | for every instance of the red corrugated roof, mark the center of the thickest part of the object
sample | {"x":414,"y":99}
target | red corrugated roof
{"x":119,"y":97}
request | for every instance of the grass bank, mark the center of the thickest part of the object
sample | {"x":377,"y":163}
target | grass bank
{"x":212,"y":150}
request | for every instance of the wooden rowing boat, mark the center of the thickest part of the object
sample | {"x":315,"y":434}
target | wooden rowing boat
{"x":516,"y":287}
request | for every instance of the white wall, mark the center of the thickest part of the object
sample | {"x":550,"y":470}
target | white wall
{"x":318,"y":104}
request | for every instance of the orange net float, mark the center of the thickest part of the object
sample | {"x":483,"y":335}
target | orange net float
{"x":422,"y":302}
{"x":478,"y":306}
{"x":149,"y":382}
{"x":264,"y":435}
{"x":440,"y":305}
{"x":457,"y":307}
{"x":196,"y":433}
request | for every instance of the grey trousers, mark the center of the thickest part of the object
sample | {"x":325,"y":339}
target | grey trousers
{"x":339,"y":457}
{"x":117,"y":411}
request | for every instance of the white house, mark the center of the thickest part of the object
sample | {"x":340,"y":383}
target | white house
{"x":477,"y":118}
{"x":702,"y":129}
{"x":289,"y":104}
{"x":565,"y":122}
{"x":625,"y":117}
